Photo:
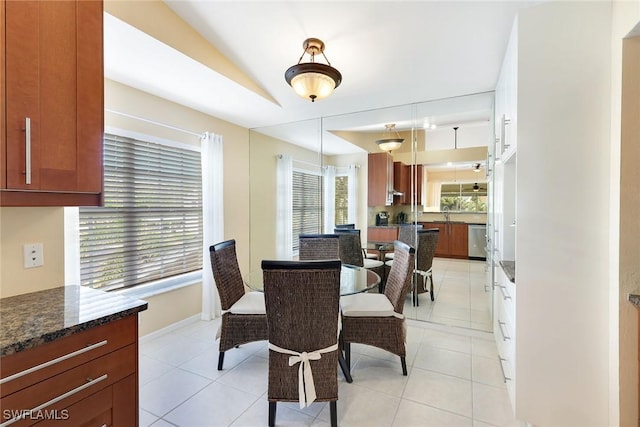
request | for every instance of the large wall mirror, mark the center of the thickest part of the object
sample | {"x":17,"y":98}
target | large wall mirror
{"x":308,"y":176}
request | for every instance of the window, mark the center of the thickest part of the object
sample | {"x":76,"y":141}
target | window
{"x":467,"y":197}
{"x":307,"y":204}
{"x":151,"y":224}
{"x":342,"y":200}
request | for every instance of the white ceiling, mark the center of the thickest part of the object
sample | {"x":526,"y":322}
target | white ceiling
{"x":390,"y":53}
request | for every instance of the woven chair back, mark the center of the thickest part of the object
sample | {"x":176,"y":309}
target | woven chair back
{"x":426,"y":250}
{"x":302,"y":302}
{"x":407,"y":234}
{"x":399,"y":278}
{"x":350,"y":246}
{"x":226,"y":272}
{"x":318,"y":247}
{"x":347,"y":226}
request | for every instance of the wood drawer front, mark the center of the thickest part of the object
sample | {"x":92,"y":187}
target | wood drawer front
{"x":109,"y":368}
{"x":93,"y":411}
{"x":117,"y":334}
{"x":382,"y":234}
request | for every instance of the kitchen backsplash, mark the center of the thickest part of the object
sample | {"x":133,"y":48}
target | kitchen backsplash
{"x":394,"y":211}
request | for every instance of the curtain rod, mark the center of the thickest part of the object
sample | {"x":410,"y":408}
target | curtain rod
{"x":357,"y":166}
{"x":142,"y":119}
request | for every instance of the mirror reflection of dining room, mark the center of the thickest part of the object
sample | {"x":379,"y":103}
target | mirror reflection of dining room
{"x":333,"y":172}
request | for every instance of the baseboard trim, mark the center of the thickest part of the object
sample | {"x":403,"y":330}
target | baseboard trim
{"x":171,"y":327}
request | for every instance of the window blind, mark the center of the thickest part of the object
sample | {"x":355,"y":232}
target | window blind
{"x":151,"y":224}
{"x":307,"y":205}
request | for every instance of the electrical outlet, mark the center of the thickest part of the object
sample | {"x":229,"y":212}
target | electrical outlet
{"x":33,"y":255}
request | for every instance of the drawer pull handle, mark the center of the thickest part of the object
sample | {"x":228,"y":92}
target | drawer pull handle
{"x":52,"y":362}
{"x":505,"y":295}
{"x":504,"y":337}
{"x":55,"y":400}
{"x":500,"y":360}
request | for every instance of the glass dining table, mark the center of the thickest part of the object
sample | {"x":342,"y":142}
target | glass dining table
{"x":353,"y":280}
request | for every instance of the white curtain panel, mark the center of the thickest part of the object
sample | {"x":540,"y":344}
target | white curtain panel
{"x":352,"y":182}
{"x":329,"y":199}
{"x":433,"y":196}
{"x":284,"y":207}
{"x":212,"y":217}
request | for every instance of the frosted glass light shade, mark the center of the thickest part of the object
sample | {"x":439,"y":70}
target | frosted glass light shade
{"x":313,"y":85}
{"x":312,"y":80}
{"x":389,"y":144}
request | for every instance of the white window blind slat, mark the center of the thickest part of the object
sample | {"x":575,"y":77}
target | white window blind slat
{"x":150,"y":227}
{"x":307,"y":205}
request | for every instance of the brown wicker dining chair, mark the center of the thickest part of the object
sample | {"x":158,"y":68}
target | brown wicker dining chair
{"x":318,"y":247}
{"x":244,"y":317}
{"x":346,"y":226}
{"x":302,"y":301}
{"x":351,"y":253}
{"x":365,"y":254}
{"x":406,"y":234}
{"x":426,"y":250}
{"x":377,"y":319}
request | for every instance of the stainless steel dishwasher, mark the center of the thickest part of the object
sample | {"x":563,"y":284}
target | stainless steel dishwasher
{"x":477,"y":241}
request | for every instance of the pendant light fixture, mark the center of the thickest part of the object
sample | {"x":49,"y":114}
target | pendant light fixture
{"x":313,"y":80}
{"x":455,"y":138}
{"x":390,"y":141}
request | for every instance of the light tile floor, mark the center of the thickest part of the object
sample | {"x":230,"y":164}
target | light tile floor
{"x":461,"y":296}
{"x":454,"y":380}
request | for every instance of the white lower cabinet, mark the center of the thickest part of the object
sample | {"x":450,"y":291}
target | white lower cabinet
{"x":504,"y":327}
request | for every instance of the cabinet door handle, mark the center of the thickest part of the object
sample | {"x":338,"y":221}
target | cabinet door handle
{"x":52,"y":362}
{"x":27,"y":412}
{"x":500,"y":360}
{"x":27,"y":150}
{"x":505,"y":122}
{"x":505,"y":296}
{"x":500,"y":325}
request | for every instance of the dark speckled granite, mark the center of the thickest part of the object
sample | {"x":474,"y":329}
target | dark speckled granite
{"x":509,"y":268}
{"x":635,"y":300}
{"x":29,"y":320}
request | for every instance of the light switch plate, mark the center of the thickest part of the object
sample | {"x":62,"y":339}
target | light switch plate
{"x":33,"y":255}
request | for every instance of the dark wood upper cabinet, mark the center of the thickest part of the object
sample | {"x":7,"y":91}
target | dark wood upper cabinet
{"x":380,"y":179}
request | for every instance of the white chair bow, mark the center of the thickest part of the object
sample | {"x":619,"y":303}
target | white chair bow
{"x":306,"y":387}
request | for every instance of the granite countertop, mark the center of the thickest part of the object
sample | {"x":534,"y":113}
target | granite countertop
{"x":33,"y":319}
{"x":635,"y":300}
{"x":509,"y":268}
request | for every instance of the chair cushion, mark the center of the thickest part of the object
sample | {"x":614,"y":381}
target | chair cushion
{"x":389,"y":255}
{"x":249,"y":303}
{"x":371,"y":256}
{"x":366,"y":305}
{"x":372,"y":263}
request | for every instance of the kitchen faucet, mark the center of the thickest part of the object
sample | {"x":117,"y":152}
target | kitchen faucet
{"x":445,"y":210}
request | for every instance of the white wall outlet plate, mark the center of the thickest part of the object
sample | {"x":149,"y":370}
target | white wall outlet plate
{"x":33,"y":255}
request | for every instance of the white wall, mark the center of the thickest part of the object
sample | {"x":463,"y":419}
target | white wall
{"x":562,"y":243}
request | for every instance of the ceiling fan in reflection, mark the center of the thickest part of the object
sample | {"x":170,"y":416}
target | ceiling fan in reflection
{"x":477,"y":188}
